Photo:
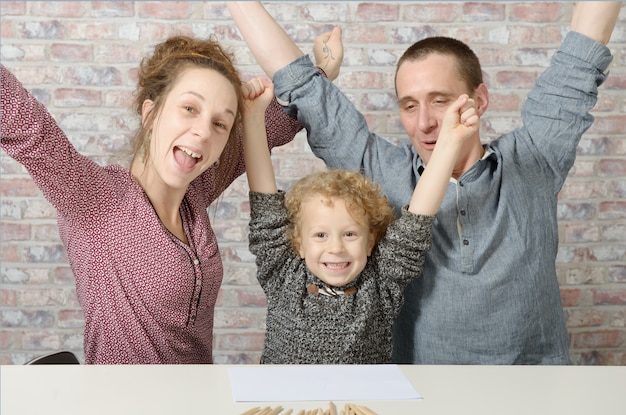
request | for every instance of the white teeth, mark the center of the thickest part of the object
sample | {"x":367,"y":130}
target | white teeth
{"x":335,"y":265}
{"x":189,"y":152}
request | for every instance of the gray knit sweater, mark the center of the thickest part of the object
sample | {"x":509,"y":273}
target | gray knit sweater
{"x":317,"y":329}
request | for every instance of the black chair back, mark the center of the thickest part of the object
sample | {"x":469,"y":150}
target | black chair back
{"x":57,"y":358}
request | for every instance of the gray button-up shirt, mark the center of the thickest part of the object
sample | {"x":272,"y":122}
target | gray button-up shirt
{"x":489,"y":292}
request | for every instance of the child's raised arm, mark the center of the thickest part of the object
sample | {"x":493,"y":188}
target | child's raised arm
{"x":258,"y":93}
{"x":460,"y":122}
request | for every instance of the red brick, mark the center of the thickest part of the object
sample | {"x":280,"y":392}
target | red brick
{"x":7,"y":339}
{"x":617,"y":274}
{"x":606,"y":297}
{"x":63,"y":52}
{"x":421,"y":13}
{"x":234,"y":318}
{"x":583,"y":190}
{"x":71,"y":319}
{"x":112,"y":8}
{"x":515,"y":79}
{"x":535,"y":12}
{"x":609,"y":124}
{"x":41,"y":340}
{"x":581,"y":233}
{"x":504,"y":102}
{"x":71,"y":98}
{"x":475,"y":12}
{"x":22,"y":187}
{"x":598,"y":339}
{"x":250,"y":358}
{"x":239,"y":341}
{"x":612,"y":167}
{"x":570,"y":297}
{"x":42,"y":297}
{"x":14,"y":231}
{"x":584,"y":317}
{"x":170,"y":10}
{"x":8,"y":298}
{"x":13,"y":8}
{"x":59,"y":8}
{"x":377,"y":12}
{"x":329,"y":12}
{"x":46,"y":233}
{"x":612,"y":210}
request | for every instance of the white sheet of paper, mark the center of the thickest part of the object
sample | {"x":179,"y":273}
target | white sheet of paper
{"x":320,"y":383}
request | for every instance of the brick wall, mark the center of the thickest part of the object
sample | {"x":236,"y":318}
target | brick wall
{"x":79,"y":58}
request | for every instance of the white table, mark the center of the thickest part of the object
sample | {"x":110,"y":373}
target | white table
{"x":205,"y":389}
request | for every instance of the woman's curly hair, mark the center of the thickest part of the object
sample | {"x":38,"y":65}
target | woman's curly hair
{"x":159,"y":73}
{"x":362,"y":197}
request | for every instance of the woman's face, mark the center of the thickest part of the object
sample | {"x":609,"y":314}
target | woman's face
{"x":191,"y":130}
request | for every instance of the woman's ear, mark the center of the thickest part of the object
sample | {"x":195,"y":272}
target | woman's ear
{"x":146,"y":108}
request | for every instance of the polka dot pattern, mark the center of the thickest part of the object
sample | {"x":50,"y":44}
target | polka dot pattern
{"x":146,"y":296}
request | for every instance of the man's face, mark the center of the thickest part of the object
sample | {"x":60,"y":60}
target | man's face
{"x":426,"y":88}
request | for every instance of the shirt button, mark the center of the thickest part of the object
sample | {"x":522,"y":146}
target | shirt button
{"x":196,"y":262}
{"x":465,"y":242}
{"x":462,"y":212}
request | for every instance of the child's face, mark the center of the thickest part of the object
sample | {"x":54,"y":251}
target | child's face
{"x":334,"y":246}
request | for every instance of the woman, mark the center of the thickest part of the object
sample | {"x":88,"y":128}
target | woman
{"x":139,"y":241}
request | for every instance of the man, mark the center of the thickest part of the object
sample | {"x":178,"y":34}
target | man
{"x":488,"y":293}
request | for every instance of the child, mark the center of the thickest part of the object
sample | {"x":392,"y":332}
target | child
{"x":334,"y":279}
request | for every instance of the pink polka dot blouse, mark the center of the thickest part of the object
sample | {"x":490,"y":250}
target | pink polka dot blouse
{"x":147,"y":297}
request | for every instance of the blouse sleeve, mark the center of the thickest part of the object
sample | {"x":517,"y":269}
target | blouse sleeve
{"x":280,"y":127}
{"x":70,"y":181}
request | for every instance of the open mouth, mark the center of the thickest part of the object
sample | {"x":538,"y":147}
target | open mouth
{"x":186,"y":158}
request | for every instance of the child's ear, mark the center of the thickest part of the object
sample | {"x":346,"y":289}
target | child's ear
{"x":371,"y":243}
{"x":299,"y":248}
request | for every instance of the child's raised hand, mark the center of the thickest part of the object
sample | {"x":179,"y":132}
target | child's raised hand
{"x":460,"y":121}
{"x":257,"y":95}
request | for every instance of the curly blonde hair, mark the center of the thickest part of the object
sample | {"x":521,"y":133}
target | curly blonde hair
{"x":362,"y":197}
{"x":159,"y":73}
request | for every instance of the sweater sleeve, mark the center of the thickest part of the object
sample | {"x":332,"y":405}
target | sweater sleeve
{"x":401,"y":254}
{"x":268,"y":240}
